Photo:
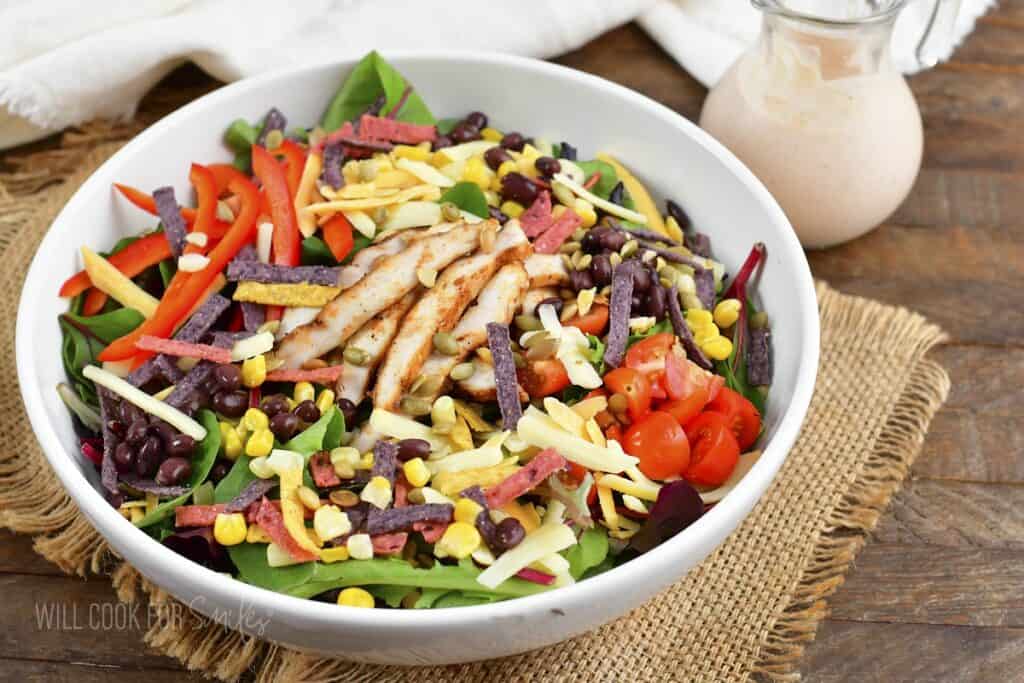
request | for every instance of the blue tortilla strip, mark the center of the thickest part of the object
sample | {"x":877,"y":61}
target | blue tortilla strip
{"x":108,"y":470}
{"x":253,"y":315}
{"x":187,"y":394}
{"x":203,"y":320}
{"x":256,"y":271}
{"x":170,"y":215}
{"x":227,"y":340}
{"x":274,"y":120}
{"x":403,"y":519}
{"x":505,"y":381}
{"x":705,"y":280}
{"x":644,"y":234}
{"x":618,"y":313}
{"x":253,"y":492}
{"x":698,"y":243}
{"x":138,"y":485}
{"x":334,"y":157}
{"x":682,"y":330}
{"x":385,"y":460}
{"x":759,"y":358}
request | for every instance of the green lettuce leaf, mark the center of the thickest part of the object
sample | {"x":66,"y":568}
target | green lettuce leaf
{"x":589,"y":552}
{"x":368,"y":79}
{"x":468,"y":197}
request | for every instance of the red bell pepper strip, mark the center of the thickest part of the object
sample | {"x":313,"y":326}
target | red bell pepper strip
{"x":136,"y":257}
{"x":224,"y":174}
{"x":205,"y":183}
{"x":184,"y":291}
{"x":94,"y":302}
{"x":295,"y":162}
{"x":338,"y":236}
{"x":146,"y":202}
{"x":286,"y":244}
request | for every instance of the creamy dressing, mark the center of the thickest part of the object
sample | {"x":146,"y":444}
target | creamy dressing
{"x":827,"y":124}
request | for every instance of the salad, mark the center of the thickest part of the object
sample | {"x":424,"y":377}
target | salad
{"x":396,"y":361}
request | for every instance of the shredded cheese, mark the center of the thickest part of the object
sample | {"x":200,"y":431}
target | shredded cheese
{"x":264,"y":238}
{"x":425,"y":172}
{"x":401,"y":427}
{"x":537,"y":429}
{"x":304,"y":193}
{"x":540,"y":544}
{"x":487,"y":455}
{"x":250,"y":347}
{"x":140,"y":399}
{"x":108,"y":279}
{"x":428,"y":192}
{"x":412,"y":215}
{"x":604,"y":204}
{"x":362,"y":223}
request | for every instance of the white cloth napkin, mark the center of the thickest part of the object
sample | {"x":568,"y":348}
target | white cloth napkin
{"x":63,"y":62}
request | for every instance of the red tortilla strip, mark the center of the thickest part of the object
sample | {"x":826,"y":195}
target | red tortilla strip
{"x":327,"y":376}
{"x":173,"y":347}
{"x":322,"y":470}
{"x":536,"y":471}
{"x":558,"y":233}
{"x":377,"y":128}
{"x":197,"y":515}
{"x":537,"y":218}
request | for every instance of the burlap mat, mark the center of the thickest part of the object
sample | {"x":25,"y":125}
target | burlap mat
{"x":745,"y":612}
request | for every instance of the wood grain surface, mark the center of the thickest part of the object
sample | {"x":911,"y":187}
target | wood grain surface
{"x":938,"y":593}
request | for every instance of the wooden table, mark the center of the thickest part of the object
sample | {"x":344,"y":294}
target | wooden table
{"x":939,"y":592}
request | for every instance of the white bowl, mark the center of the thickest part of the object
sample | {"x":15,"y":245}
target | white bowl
{"x":672,"y":156}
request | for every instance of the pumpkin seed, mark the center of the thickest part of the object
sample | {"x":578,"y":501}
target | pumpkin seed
{"x":566,"y":294}
{"x":567,"y":262}
{"x":343,"y":497}
{"x":535,"y":339}
{"x":519,"y":361}
{"x":528,"y":323}
{"x":274,"y":139}
{"x":648,"y":256}
{"x":356,"y":356}
{"x":416,"y":407}
{"x":450,"y":212}
{"x":578,"y":234}
{"x":569,"y":311}
{"x":615,"y":258}
{"x":462,"y":371}
{"x":759,"y":321}
{"x":569,"y":248}
{"x":629,"y":248}
{"x":543,"y":349}
{"x":484,"y":354}
{"x":659,"y":264}
{"x":428,"y":386}
{"x":618,"y":403}
{"x":584,"y":261}
{"x":445,"y":343}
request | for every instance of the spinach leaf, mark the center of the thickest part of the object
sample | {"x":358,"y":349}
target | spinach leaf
{"x":606,"y":564}
{"x":84,"y":337}
{"x":428,"y":597}
{"x":167,"y":270}
{"x":589,"y":552}
{"x":315,"y":437}
{"x":202,"y":463}
{"x":595,"y":353}
{"x":108,"y":326}
{"x":391,"y":595}
{"x":315,"y":252}
{"x":232,"y":484}
{"x":468,"y":197}
{"x":609,"y":178}
{"x":251,"y":561}
{"x":736,"y":379}
{"x":368,"y":79}
{"x":465,"y":599}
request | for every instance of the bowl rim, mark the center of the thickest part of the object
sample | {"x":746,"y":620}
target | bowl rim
{"x":220,"y":589}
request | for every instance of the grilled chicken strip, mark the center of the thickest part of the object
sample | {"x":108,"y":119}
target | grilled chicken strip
{"x":439,"y":310}
{"x":533,"y":297}
{"x":373,"y":339}
{"x":546,"y":270}
{"x":498,"y":302}
{"x":391,"y":278}
{"x":482,"y":387}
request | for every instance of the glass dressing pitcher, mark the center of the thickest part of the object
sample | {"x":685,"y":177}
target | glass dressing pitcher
{"x":819,"y":113}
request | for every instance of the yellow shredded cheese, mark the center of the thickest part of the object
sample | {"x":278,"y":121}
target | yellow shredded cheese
{"x":304,"y":193}
{"x":108,"y":279}
{"x":429,"y":192}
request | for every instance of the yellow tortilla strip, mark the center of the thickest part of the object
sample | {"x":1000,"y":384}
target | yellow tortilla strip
{"x":641,"y":197}
{"x":427,"y":192}
{"x":285,"y":294}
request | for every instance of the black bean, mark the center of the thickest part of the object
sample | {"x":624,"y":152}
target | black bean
{"x":180,"y":445}
{"x":163,"y":431}
{"x":567,"y":151}
{"x":496,"y":156}
{"x":547,"y":166}
{"x":641,"y":280}
{"x":477,"y":119}
{"x":285,"y":425}
{"x":274,"y":404}
{"x":348,"y":410}
{"x":440,"y":142}
{"x":655,"y":302}
{"x":591,"y":242}
{"x":231,"y":403}
{"x":129,"y":413}
{"x":513,"y":141}
{"x":519,"y":188}
{"x":463,"y":132}
{"x":220,"y":470}
{"x":612,"y":240}
{"x":147,"y":458}
{"x":636,"y":305}
{"x":137,"y":432}
{"x":616,"y":196}
{"x":677,"y":212}
{"x":413,"y":448}
{"x":116,"y":426}
{"x":124,"y":457}
{"x":555,"y":301}
{"x":307,"y":411}
{"x":580,"y":280}
{"x":173,"y":471}
{"x":227,"y":377}
{"x":497,"y":214}
{"x":508,"y":533}
{"x":601,"y":270}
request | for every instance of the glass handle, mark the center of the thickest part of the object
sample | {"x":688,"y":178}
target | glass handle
{"x":938,"y":30}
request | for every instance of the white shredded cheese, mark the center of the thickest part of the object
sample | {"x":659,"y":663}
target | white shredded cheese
{"x":633,"y":503}
{"x":571,"y":344}
{"x":537,"y":429}
{"x":362,"y":222}
{"x":400,"y":427}
{"x":264,"y":238}
{"x":413,"y":215}
{"x":487,"y":455}
{"x":279,"y":557}
{"x":192,"y":263}
{"x":467,"y":149}
{"x":604,"y":204}
{"x":541,"y":543}
{"x":140,"y":399}
{"x":642,"y":323}
{"x":250,"y":347}
{"x":424,"y":172}
{"x":281,"y":460}
{"x":470,"y":218}
{"x":623,"y":485}
{"x":431,"y":495}
{"x":121,"y":368}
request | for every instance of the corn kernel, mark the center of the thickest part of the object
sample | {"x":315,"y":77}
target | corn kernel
{"x":697,"y":317}
{"x":260,"y":443}
{"x":507,"y":167}
{"x":260,"y":468}
{"x":365,"y":462}
{"x":585,"y":210}
{"x":442,"y":414}
{"x":459,"y":541}
{"x":476,"y":171}
{"x":255,"y":419}
{"x":330,"y":522}
{"x":530,"y":152}
{"x":491,"y":134}
{"x":225,"y":427}
{"x":377,"y":492}
{"x":281,"y":461}
{"x":727,"y":312}
{"x":230,"y":529}
{"x":512,"y":209}
{"x":345,"y":455}
{"x":466,"y":511}
{"x":416,"y":472}
{"x":717,"y":349}
{"x":309,"y":498}
{"x":526,"y":167}
{"x":254,"y":371}
{"x":325,"y":400}
{"x":355,"y":597}
{"x":137,"y":514}
{"x":279,"y":557}
{"x":232,"y":445}
{"x":303,"y":392}
{"x":329,"y":555}
{"x":705,"y":334}
{"x":360,"y":547}
{"x":412,"y":153}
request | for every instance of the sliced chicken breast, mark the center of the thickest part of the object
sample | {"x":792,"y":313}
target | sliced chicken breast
{"x":373,"y":339}
{"x":546,"y":270}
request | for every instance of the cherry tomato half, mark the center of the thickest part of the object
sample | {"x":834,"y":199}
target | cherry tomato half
{"x":648,"y":355}
{"x":713,"y":450}
{"x":687,"y":408}
{"x":742,"y":416}
{"x":593,"y":322}
{"x":635,"y":386}
{"x":661,"y":445}
{"x":543,"y":377}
